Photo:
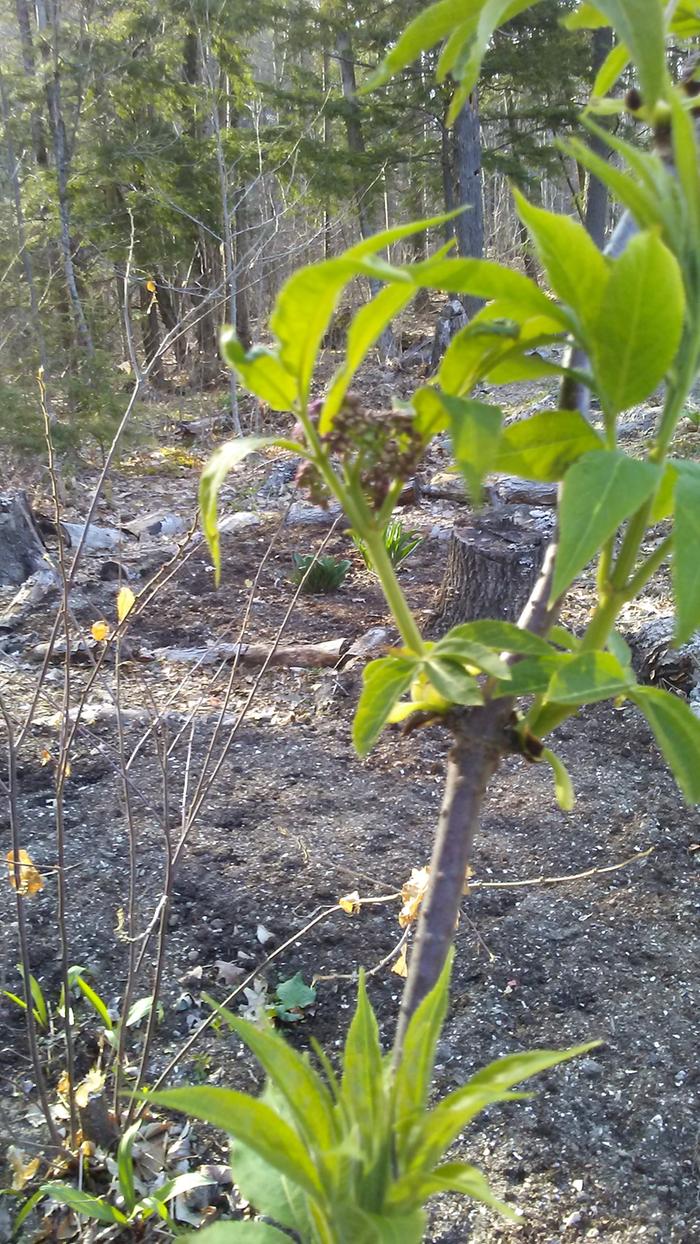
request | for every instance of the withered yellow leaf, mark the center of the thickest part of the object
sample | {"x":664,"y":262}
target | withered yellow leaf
{"x":151,"y":287}
{"x":22,"y":1170}
{"x":63,"y":1086}
{"x":30,"y":879}
{"x":125,"y":602}
{"x":401,"y":965}
{"x":99,"y":631}
{"x":413,"y":893}
{"x":46,"y":757}
{"x":93,"y":1083}
{"x":350,"y":903}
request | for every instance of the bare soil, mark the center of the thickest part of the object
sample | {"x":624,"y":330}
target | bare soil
{"x":608,"y":1148}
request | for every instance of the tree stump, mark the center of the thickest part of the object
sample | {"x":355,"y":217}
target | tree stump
{"x":21,"y":550}
{"x":492,"y":566}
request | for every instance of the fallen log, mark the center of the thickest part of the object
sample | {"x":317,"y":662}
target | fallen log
{"x":314,"y":655}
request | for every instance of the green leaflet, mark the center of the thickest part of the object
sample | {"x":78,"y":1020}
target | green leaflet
{"x":251,"y":1121}
{"x":599,"y":492}
{"x":562,"y":782}
{"x":430,"y":27}
{"x":642,"y":202}
{"x":677,"y":732}
{"x":452,"y":1177}
{"x":367,"y":327}
{"x":686,"y":554}
{"x":362,"y":1084}
{"x":637,"y":329}
{"x":232,"y":1232}
{"x":492,"y":15}
{"x":308,"y":1100}
{"x":384,"y":682}
{"x":544,"y":446}
{"x":500,"y":636}
{"x":261,"y":371}
{"x":615,"y":63}
{"x":493,"y":1083}
{"x":587,"y":677}
{"x":223,"y":460}
{"x":577,"y":270}
{"x":414,"y":1073}
{"x":475,"y":430}
{"x":640,"y":25}
{"x":83,"y":1203}
{"x":451,"y":680}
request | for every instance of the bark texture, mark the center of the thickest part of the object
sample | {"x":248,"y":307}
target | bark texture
{"x":492,"y":567}
{"x":21,"y":550}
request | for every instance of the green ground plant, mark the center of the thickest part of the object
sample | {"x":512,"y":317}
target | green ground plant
{"x":398,"y":542}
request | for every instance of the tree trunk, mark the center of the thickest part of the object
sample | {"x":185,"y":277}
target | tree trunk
{"x":62,"y":163}
{"x":596,"y":216}
{"x":169,"y":316}
{"x":469,"y":225}
{"x":492,"y":566}
{"x":27,"y":261}
{"x":356,"y":146}
{"x":243,"y":329}
{"x":150,"y":334}
{"x":29,"y":64}
{"x":21,"y":549}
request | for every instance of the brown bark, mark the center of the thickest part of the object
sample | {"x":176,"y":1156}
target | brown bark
{"x":150,"y":335}
{"x":21,"y":549}
{"x":492,"y":566}
{"x":356,"y":145}
{"x":61,"y":157}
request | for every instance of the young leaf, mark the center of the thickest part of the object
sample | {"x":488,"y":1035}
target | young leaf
{"x":532,"y":675}
{"x":588,"y":677}
{"x":599,"y":492}
{"x":614,"y":65}
{"x":493,"y":13}
{"x":544,"y":446}
{"x":686,"y":564}
{"x":467,"y":652}
{"x":83,"y":1203}
{"x":125,"y":1166}
{"x":639,"y":323}
{"x":414,"y":1073}
{"x":475,"y":430}
{"x":640,"y":25}
{"x":267,"y":1190}
{"x":261,"y":372}
{"x":362,"y":1084}
{"x":576,"y":269}
{"x":232,"y":1232}
{"x":562,"y":782}
{"x":251,"y":1121}
{"x":499,"y":636}
{"x":367,"y":326}
{"x":95,"y":1001}
{"x":223,"y":460}
{"x":452,"y":681}
{"x":493,"y":1083}
{"x":677,"y":732}
{"x":519,"y":297}
{"x":384,"y":682}
{"x":430,"y":27}
{"x":449,"y":1177}
{"x":642,"y":202}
